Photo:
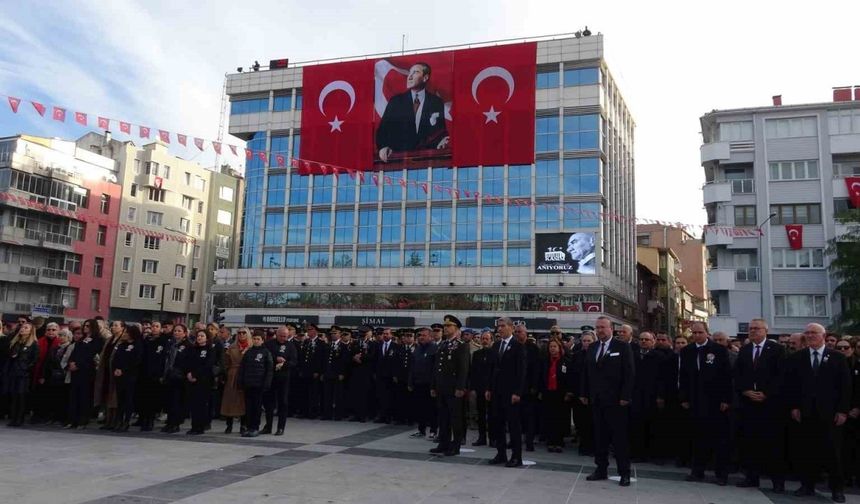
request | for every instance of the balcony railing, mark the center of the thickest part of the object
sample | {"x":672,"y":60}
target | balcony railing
{"x":743,"y":186}
{"x":29,"y":271}
{"x":33,"y":234}
{"x":54,"y":274}
{"x":58,"y":238}
{"x":747,"y":274}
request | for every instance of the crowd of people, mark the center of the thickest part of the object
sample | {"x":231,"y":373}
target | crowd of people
{"x":783,"y":407}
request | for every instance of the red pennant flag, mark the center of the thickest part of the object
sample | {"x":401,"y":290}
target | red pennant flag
{"x":59,"y":114}
{"x":294,"y":163}
{"x":104,"y":123}
{"x":164,"y":136}
{"x":376,"y":180}
{"x":233,"y":149}
{"x":323,"y":169}
{"x":39,"y":108}
{"x":262,"y":156}
{"x":125,"y":127}
{"x":795,"y":236}
{"x":249,"y":154}
{"x":279,"y":158}
{"x":199,"y":143}
{"x":144,"y":132}
{"x":217,"y":147}
{"x":853,"y":184}
{"x":13,"y":103}
{"x":183,"y":139}
{"x":81,"y":118}
{"x":424,"y":186}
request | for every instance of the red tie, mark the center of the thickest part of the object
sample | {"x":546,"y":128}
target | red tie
{"x":415,"y":105}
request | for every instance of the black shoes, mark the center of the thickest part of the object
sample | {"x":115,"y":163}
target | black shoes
{"x":804,"y":491}
{"x":267,"y":429}
{"x":514,"y":462}
{"x":838,"y":497}
{"x":194,"y":432}
{"x":228,"y":430}
{"x":779,"y":487}
{"x":498,"y":460}
{"x":280,"y":432}
{"x":438,"y":450}
{"x":624,"y":481}
{"x":452,"y":452}
{"x":597,"y":476}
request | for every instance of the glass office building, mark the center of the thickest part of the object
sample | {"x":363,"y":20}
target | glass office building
{"x":335,"y":248}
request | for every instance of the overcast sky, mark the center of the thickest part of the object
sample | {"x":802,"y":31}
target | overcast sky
{"x":161,"y":63}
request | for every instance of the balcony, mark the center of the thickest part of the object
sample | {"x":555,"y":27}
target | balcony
{"x":63,"y":204}
{"x":747,"y":274}
{"x":714,"y":237}
{"x":720,"y":279}
{"x":715,"y":151}
{"x":29,"y":271}
{"x":723,"y":323}
{"x":53,"y":276}
{"x":57,"y":239}
{"x":222,"y":252}
{"x":717,"y":192}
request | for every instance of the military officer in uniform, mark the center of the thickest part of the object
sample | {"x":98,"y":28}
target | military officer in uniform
{"x":404,"y":410}
{"x":450,"y":378}
{"x":361,"y":376}
{"x":334,"y":376}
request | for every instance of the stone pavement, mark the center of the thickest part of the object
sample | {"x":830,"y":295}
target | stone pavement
{"x":320,"y":463}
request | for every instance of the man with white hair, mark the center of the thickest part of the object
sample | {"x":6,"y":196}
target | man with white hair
{"x":580,"y":247}
{"x":818,"y":386}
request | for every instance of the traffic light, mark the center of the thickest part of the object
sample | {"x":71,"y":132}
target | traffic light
{"x":218,"y":315}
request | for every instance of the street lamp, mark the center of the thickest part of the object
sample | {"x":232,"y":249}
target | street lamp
{"x":190,"y":268}
{"x":760,"y":267}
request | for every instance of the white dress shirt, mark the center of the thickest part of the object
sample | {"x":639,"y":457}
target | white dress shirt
{"x":820,"y":351}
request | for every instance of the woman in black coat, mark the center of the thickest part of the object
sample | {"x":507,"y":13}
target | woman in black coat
{"x":200,"y":372}
{"x":23,"y":353}
{"x":552,"y":383}
{"x":54,"y":373}
{"x":255,"y":377}
{"x":81,"y":367}
{"x":174,"y":378}
{"x":125,"y":364}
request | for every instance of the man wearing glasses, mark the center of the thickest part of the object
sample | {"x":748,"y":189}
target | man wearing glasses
{"x":507,"y":387}
{"x":450,"y":379}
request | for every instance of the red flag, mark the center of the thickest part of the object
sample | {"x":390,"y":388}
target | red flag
{"x":104,"y":123}
{"x":39,"y":108}
{"x":262,"y":156}
{"x":164,"y":136}
{"x":182,"y":139}
{"x":249,"y":154}
{"x":279,"y":158}
{"x":13,"y":103}
{"x":59,"y":114}
{"x":294,"y":163}
{"x":337,"y":119}
{"x":144,"y":132}
{"x":217,"y":147}
{"x":199,"y":143}
{"x":853,"y":184}
{"x":795,"y":236}
{"x":125,"y":127}
{"x":233,"y":149}
{"x":81,"y":118}
{"x":591,"y":307}
{"x":494,"y":99}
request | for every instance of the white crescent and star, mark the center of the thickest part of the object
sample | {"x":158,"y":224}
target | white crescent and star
{"x":793,"y":233}
{"x":492,"y":115}
{"x":855,"y":187}
{"x":338,"y":85}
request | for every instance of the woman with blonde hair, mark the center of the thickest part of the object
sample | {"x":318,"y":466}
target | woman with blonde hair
{"x":105,"y":384}
{"x":233,"y":402}
{"x":23,"y":353}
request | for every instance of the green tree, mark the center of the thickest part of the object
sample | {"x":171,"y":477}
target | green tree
{"x":845,"y":269}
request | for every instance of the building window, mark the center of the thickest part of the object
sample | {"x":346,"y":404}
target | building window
{"x":440,"y":225}
{"x":129,"y":239}
{"x":184,"y":225}
{"x":843,"y":122}
{"x":443,"y":182}
{"x":797,"y":259}
{"x":416,"y":225}
{"x":520,"y":181}
{"x":225,"y":193}
{"x":467,"y":181}
{"x":847,"y":169}
{"x":519,"y":256}
{"x":199,"y":183}
{"x":466,"y":257}
{"x":250,"y":106}
{"x":132,"y":214}
{"x":179,"y":271}
{"x":736,"y":131}
{"x":137,"y":166}
{"x":199,"y":229}
{"x":77,"y":230}
{"x":98,"y":267}
{"x":467,"y":223}
{"x":643,"y":240}
{"x":492,"y":222}
{"x":440,"y":257}
{"x":149,"y":266}
{"x":368,"y":191}
{"x":581,"y":77}
{"x":72,"y":263}
{"x":296,"y":224}
{"x":187,"y":179}
{"x":133,"y":190}
{"x":413,"y":258}
{"x":391,"y":191}
{"x":295,"y":259}
{"x":323,"y":187}
{"x":745,"y":215}
{"x":146,"y":291}
{"x":152,"y":243}
{"x":276,"y":188}
{"x":519,"y":222}
{"x":177,"y":295}
{"x":581,"y":176}
{"x":797,"y":305}
{"x":154,"y":194}
{"x":389,"y":258}
{"x":192,"y":296}
{"x":123,"y":289}
{"x":95,"y":296}
{"x":417,"y":188}
{"x":390,"y":232}
{"x":320,"y":227}
{"x":345,"y":189}
{"x":546,"y":134}
{"x":791,"y":128}
{"x":298,"y":190}
{"x":367,"y":227}
{"x":581,"y":215}
{"x":282,"y":103}
{"x":344,"y":224}
{"x":69,"y":297}
{"x":152,"y":168}
{"x":270,"y":260}
{"x":197,"y":251}
{"x":492,"y":256}
{"x":193,"y":274}
{"x":547,"y":79}
{"x":366,"y":259}
{"x":225,"y":217}
{"x":318,"y":259}
{"x":793,"y":170}
{"x":126,"y":264}
{"x":297,"y":145}
{"x":273,"y":232}
{"x":104,"y":205}
{"x":546,"y":217}
{"x":342,"y":259}
{"x":546,"y":177}
{"x":581,"y":132}
{"x":187,"y":202}
{"x":101,"y":235}
{"x":796,"y":214}
{"x":154,"y":218}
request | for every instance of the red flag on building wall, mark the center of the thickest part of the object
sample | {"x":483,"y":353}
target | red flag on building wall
{"x":795,"y":236}
{"x":853,"y":184}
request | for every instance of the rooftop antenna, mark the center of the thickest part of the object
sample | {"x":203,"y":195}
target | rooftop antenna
{"x":221,"y":119}
{"x":403,"y":44}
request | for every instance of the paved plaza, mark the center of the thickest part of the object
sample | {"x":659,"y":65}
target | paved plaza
{"x":318,"y":463}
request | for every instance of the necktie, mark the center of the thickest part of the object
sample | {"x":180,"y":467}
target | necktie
{"x":502,"y":349}
{"x":815,"y":362}
{"x":699,"y":357}
{"x":602,"y":350}
{"x":756,"y":354}
{"x":415,"y":104}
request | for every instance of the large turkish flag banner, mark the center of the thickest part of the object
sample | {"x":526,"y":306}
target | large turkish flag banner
{"x":853,"y":184}
{"x":795,"y":236}
{"x":494,"y":105}
{"x":337,"y":117}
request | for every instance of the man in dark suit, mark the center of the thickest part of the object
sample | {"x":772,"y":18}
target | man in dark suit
{"x":818,"y":388}
{"x":607,"y":384}
{"x":450,"y":378}
{"x":706,"y":392}
{"x":758,"y":381}
{"x":646,"y":389}
{"x":479,"y":382}
{"x":412,"y":120}
{"x":507,"y":388}
{"x":529,"y":407}
{"x":386,"y":362}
